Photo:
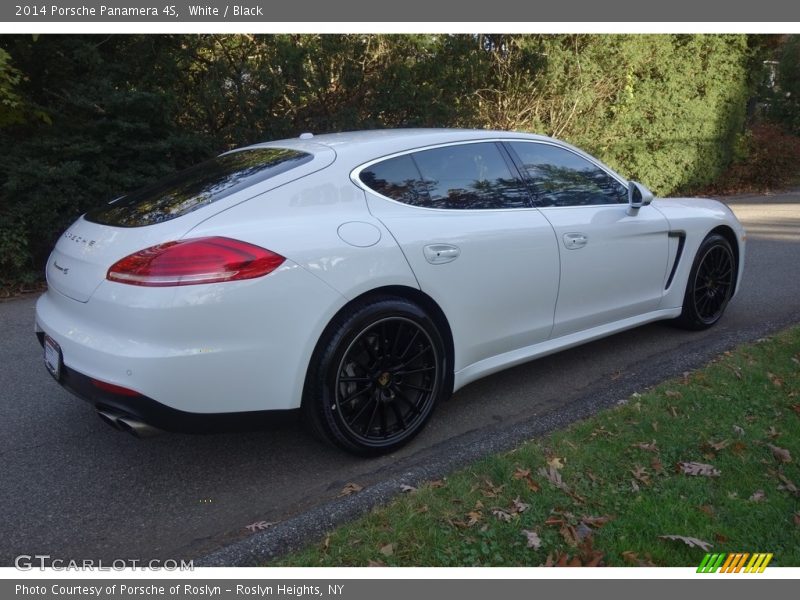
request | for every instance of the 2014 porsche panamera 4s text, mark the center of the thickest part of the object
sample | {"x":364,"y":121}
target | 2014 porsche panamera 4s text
{"x":363,"y":277}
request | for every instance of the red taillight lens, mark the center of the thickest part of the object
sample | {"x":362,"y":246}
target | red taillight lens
{"x":114,"y":389}
{"x":191,"y":262}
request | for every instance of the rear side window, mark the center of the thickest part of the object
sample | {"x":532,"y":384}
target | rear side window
{"x":398,"y":179}
{"x":198,"y":186}
{"x":558,"y":177}
{"x":464,"y":176}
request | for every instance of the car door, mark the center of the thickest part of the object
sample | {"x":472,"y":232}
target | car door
{"x":613,"y":265}
{"x":463,"y":219}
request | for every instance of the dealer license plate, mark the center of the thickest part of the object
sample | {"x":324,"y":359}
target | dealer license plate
{"x":52,"y":357}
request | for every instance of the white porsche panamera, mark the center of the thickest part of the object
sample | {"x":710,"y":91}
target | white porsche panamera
{"x":363,"y":277}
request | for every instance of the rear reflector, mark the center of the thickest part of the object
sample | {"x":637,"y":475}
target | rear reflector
{"x":113,"y":389}
{"x":192,"y":262}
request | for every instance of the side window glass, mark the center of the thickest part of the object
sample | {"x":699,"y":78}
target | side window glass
{"x":470,"y":176}
{"x":397,"y":178}
{"x":558,"y":177}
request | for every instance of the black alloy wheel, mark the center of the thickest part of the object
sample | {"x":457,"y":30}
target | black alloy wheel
{"x":380,"y":374}
{"x":710,"y":284}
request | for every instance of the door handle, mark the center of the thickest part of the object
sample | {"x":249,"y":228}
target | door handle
{"x":438,"y":254}
{"x":573,"y":241}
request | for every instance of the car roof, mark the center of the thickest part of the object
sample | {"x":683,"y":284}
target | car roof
{"x":356,"y":147}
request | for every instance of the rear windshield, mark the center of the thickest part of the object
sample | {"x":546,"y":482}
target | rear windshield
{"x":197,"y":186}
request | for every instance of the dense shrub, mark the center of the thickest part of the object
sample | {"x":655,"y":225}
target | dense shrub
{"x":89,"y":117}
{"x":769,"y":159}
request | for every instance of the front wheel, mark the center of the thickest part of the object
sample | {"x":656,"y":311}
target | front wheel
{"x":376,"y":376}
{"x":710,"y":284}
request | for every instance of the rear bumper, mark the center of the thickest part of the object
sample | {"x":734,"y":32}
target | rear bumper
{"x":161,"y":416}
{"x":205,"y":350}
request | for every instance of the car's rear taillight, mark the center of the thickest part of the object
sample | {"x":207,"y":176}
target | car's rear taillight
{"x":194,"y":261}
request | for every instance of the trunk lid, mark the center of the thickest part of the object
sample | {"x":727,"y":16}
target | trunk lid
{"x":83,"y":254}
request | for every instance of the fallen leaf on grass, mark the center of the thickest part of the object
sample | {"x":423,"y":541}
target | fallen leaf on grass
{"x":521,"y":473}
{"x":632,"y":558}
{"x":556,"y":462}
{"x":689,"y":541}
{"x":474,"y":517}
{"x":776,"y":381}
{"x":641,"y":474}
{"x":780,"y":454}
{"x":387,"y":550}
{"x":708,"y":509}
{"x":553,"y":476}
{"x":773,"y":433}
{"x":596,"y":521}
{"x":350,"y":488}
{"x":758,"y":496}
{"x":569,"y":534}
{"x":698,"y":469}
{"x":502,"y":515}
{"x":738,"y":448}
{"x":673,"y":394}
{"x":722,"y":539}
{"x":376,"y":563}
{"x":532,"y":538}
{"x":259,"y":526}
{"x":738,"y":430}
{"x":518,"y":506}
{"x":647,"y":447}
{"x":490,"y":490}
{"x":407,"y":488}
{"x":634,"y":487}
{"x":796,"y":518}
{"x":787,"y":484}
{"x":526,"y":475}
{"x":717,"y":446}
{"x":655,"y":464}
{"x":437,"y":483}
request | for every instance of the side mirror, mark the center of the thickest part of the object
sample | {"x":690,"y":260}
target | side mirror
{"x":638,"y":196}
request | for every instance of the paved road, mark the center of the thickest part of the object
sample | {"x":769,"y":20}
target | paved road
{"x":72,"y":487}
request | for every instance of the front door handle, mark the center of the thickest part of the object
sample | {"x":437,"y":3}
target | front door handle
{"x":438,"y":254}
{"x":573,"y":241}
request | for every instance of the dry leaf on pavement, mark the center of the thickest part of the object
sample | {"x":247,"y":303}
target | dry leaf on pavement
{"x":350,"y":488}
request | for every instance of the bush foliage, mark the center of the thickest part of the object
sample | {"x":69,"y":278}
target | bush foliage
{"x":86,"y":118}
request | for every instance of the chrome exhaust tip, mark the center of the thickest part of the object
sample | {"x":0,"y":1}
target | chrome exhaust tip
{"x":137,"y":428}
{"x":122,"y":422}
{"x":110,"y":419}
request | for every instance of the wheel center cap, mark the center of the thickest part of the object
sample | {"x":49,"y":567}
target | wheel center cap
{"x":384,"y":379}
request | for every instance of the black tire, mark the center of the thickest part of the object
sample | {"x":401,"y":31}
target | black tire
{"x":375,"y":377}
{"x":710,"y":284}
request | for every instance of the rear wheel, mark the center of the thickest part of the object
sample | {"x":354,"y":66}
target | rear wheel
{"x":710,"y":284}
{"x":376,"y":376}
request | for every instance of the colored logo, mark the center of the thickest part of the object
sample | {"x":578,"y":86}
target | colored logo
{"x":735,"y":563}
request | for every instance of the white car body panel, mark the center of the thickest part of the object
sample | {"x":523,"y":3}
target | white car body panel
{"x":515,"y":292}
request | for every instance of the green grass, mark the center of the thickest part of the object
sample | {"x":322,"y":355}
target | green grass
{"x":742,"y":402}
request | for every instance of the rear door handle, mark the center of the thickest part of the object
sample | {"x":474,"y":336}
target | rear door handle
{"x":573,"y":241}
{"x":438,"y":254}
